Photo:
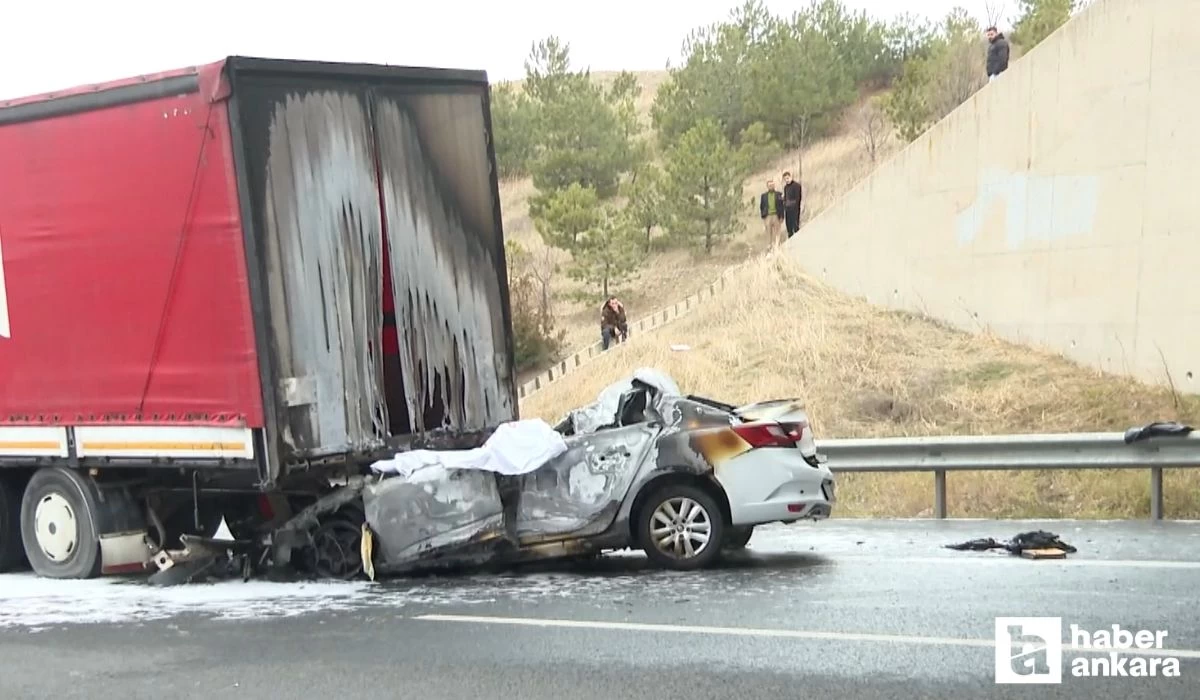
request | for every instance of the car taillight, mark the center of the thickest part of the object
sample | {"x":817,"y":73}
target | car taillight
{"x":771,"y":434}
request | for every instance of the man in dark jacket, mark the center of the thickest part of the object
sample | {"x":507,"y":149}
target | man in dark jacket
{"x":997,"y":55}
{"x":792,"y":197}
{"x":613,"y":324}
{"x":770,"y":208}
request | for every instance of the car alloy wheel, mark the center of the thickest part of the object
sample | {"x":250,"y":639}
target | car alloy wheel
{"x":681,"y":528}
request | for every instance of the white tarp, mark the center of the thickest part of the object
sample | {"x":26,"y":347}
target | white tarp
{"x":518,"y":447}
{"x":604,"y":410}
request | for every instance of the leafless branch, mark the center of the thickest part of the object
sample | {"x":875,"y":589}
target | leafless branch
{"x":871,"y":126}
{"x":994,"y":10}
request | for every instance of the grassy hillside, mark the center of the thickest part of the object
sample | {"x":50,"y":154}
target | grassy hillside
{"x":831,"y":167}
{"x":868,"y":372}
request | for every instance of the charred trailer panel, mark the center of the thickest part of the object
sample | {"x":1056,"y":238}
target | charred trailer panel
{"x":370,"y":203}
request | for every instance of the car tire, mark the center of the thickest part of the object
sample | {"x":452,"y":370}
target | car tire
{"x":67,"y":545}
{"x":12,"y":550}
{"x":738,"y":537}
{"x":670,"y":550}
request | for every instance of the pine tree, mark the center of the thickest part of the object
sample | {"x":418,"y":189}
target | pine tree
{"x":645,"y":201}
{"x":704,"y":186}
{"x":610,"y":253}
{"x":566,"y":215}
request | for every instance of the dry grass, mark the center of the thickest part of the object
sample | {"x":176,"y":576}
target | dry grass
{"x":867,"y":372}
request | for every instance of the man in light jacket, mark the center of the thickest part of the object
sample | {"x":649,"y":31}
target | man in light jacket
{"x":770,"y":208}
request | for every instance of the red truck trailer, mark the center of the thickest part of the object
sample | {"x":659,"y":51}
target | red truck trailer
{"x":223,"y":288}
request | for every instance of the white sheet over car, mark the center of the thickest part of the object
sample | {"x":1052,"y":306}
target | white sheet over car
{"x":515,"y":448}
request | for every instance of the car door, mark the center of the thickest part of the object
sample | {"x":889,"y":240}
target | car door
{"x":580,"y":493}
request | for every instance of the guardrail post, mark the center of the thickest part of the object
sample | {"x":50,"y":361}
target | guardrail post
{"x":939,"y":493}
{"x":1156,"y":493}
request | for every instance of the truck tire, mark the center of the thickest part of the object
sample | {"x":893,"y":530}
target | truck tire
{"x":58,"y":516}
{"x":12,"y":551}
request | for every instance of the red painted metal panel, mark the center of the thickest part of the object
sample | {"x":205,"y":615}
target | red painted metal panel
{"x":124,"y":265}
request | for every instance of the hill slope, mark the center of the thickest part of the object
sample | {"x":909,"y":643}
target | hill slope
{"x":869,"y":372}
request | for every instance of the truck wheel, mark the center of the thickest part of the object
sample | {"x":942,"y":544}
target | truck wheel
{"x":681,"y":528}
{"x":57,"y":524}
{"x":12,"y":552}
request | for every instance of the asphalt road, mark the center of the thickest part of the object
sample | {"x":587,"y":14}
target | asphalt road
{"x":836,"y":609}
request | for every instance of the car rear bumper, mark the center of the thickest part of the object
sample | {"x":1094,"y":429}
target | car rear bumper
{"x":776,"y":484}
{"x":786,"y":509}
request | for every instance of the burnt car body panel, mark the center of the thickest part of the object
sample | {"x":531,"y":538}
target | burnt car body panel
{"x":432,"y":512}
{"x":579,"y":494}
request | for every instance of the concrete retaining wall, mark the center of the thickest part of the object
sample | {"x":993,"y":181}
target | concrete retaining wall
{"x":1057,"y":207}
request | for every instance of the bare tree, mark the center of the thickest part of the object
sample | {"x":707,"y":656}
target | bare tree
{"x":871,"y":126}
{"x":994,"y":10}
{"x":960,"y":67}
{"x":544,"y":266}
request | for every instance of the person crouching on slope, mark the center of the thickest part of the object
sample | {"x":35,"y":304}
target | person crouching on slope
{"x":613,"y":325}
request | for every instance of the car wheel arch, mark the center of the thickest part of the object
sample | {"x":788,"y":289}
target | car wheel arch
{"x":705,"y":482}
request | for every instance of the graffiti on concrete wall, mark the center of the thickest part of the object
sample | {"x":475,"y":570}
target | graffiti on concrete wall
{"x":1036,"y":208}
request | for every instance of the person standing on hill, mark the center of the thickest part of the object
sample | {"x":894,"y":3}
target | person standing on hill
{"x":770,"y":207}
{"x":792,"y":197}
{"x":997,"y":55}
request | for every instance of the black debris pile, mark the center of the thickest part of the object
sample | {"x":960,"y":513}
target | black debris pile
{"x":1159,"y":429}
{"x":1026,"y":541}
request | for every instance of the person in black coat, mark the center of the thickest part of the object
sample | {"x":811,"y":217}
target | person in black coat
{"x":997,"y":55}
{"x":792,"y":196}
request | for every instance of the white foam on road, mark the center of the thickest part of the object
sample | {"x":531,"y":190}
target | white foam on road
{"x":771,"y":633}
{"x":29,"y":601}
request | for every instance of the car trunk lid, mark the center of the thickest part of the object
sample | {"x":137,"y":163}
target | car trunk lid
{"x":788,"y":414}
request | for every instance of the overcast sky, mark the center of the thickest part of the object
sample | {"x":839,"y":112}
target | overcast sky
{"x":51,"y":45}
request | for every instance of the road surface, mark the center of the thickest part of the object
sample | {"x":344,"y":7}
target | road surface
{"x":843,"y":609}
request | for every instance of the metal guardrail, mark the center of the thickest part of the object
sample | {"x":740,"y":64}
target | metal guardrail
{"x":658,"y":319}
{"x":1014,"y":452}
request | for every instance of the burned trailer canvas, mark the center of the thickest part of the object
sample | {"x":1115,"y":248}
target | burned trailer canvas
{"x":375,"y":229}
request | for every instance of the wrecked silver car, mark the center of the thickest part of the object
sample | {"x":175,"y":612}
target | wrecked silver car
{"x":680,"y":477}
{"x":644,"y":466}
